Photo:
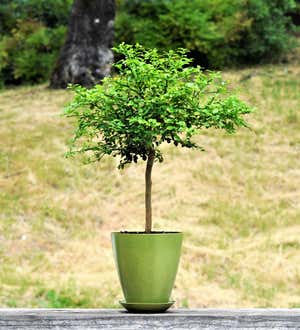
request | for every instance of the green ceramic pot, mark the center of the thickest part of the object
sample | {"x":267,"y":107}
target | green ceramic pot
{"x":147,"y":265}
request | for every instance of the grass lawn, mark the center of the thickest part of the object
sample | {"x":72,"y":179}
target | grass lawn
{"x":238,"y":205}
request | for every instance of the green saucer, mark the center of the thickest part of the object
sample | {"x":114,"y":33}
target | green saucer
{"x":146,"y":307}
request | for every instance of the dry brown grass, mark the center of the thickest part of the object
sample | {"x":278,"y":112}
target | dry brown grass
{"x":238,"y":205}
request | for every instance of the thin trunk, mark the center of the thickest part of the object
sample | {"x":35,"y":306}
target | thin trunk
{"x":148,"y":181}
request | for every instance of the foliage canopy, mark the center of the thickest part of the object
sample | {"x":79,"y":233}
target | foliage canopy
{"x":156,"y":97}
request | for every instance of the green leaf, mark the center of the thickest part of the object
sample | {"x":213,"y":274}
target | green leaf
{"x":155,"y":98}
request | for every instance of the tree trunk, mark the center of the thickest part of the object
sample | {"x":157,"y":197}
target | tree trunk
{"x":86,"y":56}
{"x":150,"y":161}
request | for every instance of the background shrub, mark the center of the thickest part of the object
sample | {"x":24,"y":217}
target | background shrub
{"x":29,"y":53}
{"x":51,"y":13}
{"x":218,"y":33}
{"x":31,"y":34}
{"x":268,"y":37}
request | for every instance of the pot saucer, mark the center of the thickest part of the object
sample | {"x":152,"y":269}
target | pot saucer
{"x":146,"y":307}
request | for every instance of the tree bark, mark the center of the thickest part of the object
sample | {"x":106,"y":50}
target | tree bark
{"x":86,"y":56}
{"x":148,"y":187}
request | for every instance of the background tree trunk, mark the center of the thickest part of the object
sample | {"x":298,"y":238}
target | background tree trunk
{"x":86,"y":56}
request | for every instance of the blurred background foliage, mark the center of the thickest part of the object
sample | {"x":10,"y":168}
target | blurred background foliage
{"x":246,"y":32}
{"x":31,"y":34}
{"x":219,"y":33}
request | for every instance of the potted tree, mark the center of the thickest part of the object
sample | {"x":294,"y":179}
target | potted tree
{"x":154,"y":98}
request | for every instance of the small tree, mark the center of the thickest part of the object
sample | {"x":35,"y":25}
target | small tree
{"x":155,"y":98}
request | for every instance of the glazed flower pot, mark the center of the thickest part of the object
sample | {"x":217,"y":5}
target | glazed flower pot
{"x":147,"y":265}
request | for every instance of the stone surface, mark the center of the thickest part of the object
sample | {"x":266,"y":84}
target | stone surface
{"x":173,"y":319}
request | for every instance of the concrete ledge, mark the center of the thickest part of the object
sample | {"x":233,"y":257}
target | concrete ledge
{"x":13,"y":319}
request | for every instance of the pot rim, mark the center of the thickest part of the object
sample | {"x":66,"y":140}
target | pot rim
{"x":142,"y":233}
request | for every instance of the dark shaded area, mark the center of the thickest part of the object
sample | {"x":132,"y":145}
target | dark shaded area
{"x":295,"y":16}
